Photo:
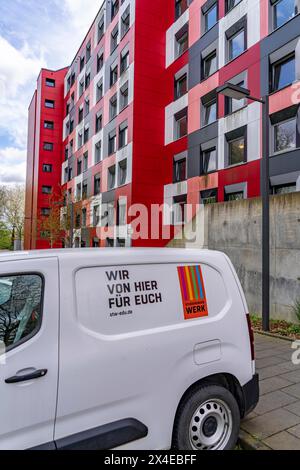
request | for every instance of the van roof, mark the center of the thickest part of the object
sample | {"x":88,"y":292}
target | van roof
{"x":88,"y":253}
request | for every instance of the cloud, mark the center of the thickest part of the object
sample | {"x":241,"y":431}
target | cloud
{"x":32,"y":36}
{"x":13,"y":165}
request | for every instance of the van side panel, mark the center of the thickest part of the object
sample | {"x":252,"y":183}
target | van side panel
{"x":128,"y":348}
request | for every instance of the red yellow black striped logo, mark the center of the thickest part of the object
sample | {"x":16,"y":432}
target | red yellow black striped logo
{"x":192,"y":292}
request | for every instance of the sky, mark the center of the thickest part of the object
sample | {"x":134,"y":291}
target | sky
{"x":32,"y":33}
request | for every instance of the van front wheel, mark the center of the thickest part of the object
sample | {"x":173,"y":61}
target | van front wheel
{"x":207,"y":419}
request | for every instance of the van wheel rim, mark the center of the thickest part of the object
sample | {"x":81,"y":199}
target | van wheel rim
{"x":211,"y":426}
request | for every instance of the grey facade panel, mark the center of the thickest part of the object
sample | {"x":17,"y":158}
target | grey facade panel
{"x":285,"y":163}
{"x":108,"y":197}
{"x":195,"y":54}
{"x":194,"y":145}
{"x":271,"y":43}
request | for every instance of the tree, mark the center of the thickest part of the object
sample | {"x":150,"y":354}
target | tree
{"x":13,"y":210}
{"x":55,"y":226}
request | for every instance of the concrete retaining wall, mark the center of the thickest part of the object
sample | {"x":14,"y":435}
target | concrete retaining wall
{"x":235,"y":228}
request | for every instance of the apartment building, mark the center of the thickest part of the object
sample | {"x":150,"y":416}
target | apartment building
{"x":44,"y":156}
{"x":143,"y":123}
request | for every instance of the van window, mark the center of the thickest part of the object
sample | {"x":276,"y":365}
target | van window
{"x":124,"y":299}
{"x":20,"y":308}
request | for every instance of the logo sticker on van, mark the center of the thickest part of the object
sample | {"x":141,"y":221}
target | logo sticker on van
{"x":192,"y":292}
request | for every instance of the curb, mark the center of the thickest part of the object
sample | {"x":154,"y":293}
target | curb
{"x":248,"y":442}
{"x":272,"y":335}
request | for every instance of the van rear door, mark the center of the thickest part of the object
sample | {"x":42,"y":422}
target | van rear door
{"x":29,"y":312}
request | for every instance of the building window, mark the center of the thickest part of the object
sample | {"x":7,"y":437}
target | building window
{"x":210,"y":112}
{"x":88,"y":51}
{"x":49,"y":125}
{"x":71,"y":147}
{"x":96,"y":216}
{"x":285,"y":134}
{"x":181,"y":41}
{"x":122,"y":173}
{"x":86,"y":135}
{"x":45,"y":211}
{"x":101,"y":29}
{"x":49,"y":104}
{"x":114,"y":8}
{"x":234,"y":196}
{"x":99,"y":121}
{"x":50,"y":82}
{"x":113,"y":107}
{"x":70,"y":173}
{"x":110,"y":243}
{"x":124,"y":96}
{"x":83,"y":217}
{"x":84,"y":197}
{"x":232,"y":105}
{"x":112,"y":143}
{"x":125,"y":22}
{"x":87,"y":80}
{"x":237,"y":151}
{"x":283,"y":11}
{"x":80,"y":139}
{"x":179,"y":170}
{"x":85,"y":161}
{"x":80,"y":115}
{"x":82,"y":63}
{"x":121,"y":214}
{"x":111,"y":177}
{"x":230,"y":4}
{"x":181,"y":86}
{"x":236,"y":44}
{"x":284,"y":189}
{"x":209,"y":65}
{"x":211,"y":17}
{"x":180,"y":7}
{"x":47,"y":190}
{"x":81,"y":87}
{"x":124,"y":60}
{"x":181,"y":122}
{"x":87,"y":106}
{"x":48,"y":146}
{"x":79,"y":167}
{"x":123,"y":135}
{"x":209,"y":197}
{"x":97,"y":185}
{"x":283,"y":72}
{"x":98,"y":152}
{"x":114,"y":39}
{"x":209,"y":161}
{"x":47,"y":168}
{"x":100,"y":61}
{"x":71,"y":126}
{"x":113,"y":74}
{"x":99,"y":90}
{"x":179,"y":204}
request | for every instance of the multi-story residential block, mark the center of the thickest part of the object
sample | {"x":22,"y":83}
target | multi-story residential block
{"x":44,"y":156}
{"x":143,"y":123}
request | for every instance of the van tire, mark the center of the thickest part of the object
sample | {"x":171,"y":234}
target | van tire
{"x":207,"y":419}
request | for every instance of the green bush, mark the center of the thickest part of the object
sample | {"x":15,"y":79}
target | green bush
{"x":296,"y":309}
{"x":5,"y":237}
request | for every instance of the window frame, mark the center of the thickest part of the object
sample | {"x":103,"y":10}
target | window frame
{"x":36,"y":331}
{"x":275,"y":26}
{"x":274,"y":126}
{"x":287,"y":58}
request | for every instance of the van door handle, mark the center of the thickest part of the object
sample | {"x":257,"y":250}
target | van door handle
{"x":25,"y":378}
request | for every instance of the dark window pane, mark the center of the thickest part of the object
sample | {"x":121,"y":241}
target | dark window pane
{"x":284,"y":10}
{"x":236,"y":151}
{"x":284,"y":73}
{"x":285,"y":136}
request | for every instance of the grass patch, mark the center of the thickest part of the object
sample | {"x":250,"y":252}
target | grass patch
{"x":278,"y":327}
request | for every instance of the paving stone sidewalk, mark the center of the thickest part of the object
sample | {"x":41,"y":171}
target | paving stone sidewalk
{"x":275,"y":423}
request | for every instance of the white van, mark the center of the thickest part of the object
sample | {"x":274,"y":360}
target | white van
{"x":123,"y":349}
